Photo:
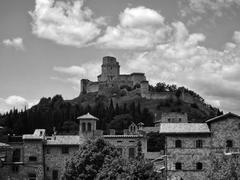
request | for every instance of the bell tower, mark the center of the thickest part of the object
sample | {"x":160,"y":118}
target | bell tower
{"x":87,"y":125}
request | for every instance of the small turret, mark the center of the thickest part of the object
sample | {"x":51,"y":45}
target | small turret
{"x":87,"y":125}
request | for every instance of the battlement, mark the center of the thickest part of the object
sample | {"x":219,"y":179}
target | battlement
{"x":110,"y":77}
{"x":109,"y":60}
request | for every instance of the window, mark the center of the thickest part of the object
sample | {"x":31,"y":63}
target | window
{"x":119,"y":141}
{"x":199,"y":166}
{"x":32,"y":176}
{"x":169,"y":119}
{"x":131,"y":152}
{"x":32,"y":158}
{"x":48,"y":150}
{"x":16,"y":155}
{"x":83,"y":127}
{"x":238,"y":125}
{"x":65,"y":150}
{"x":180,"y":119}
{"x":178,"y":144}
{"x":178,"y":166}
{"x":120,"y":150}
{"x":229,"y":143}
{"x":89,"y":127}
{"x":199,"y":143}
{"x":15,"y":168}
{"x":55,"y":174}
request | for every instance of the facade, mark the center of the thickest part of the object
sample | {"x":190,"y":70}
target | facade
{"x":40,"y":157}
{"x":172,"y":117}
{"x":187,"y":154}
{"x":190,"y":146}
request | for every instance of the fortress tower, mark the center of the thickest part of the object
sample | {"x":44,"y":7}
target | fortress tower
{"x":110,"y":69}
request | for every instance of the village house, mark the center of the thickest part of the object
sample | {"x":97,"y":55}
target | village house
{"x":186,"y":156}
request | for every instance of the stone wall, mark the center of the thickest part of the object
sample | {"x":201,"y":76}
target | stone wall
{"x":223,"y":130}
{"x":174,"y":117}
{"x":33,"y":148}
{"x":137,"y":78}
{"x":127,"y":142}
{"x":56,"y":160}
{"x":188,"y":155}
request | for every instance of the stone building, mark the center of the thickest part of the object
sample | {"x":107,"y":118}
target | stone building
{"x":37,"y":156}
{"x":110,"y":78}
{"x":186,"y":156}
{"x":172,"y":117}
{"x":190,"y":146}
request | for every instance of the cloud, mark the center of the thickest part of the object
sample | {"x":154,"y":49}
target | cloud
{"x":204,"y":6}
{"x":73,"y":74}
{"x":65,"y":23}
{"x":16,"y":43}
{"x":16,"y":102}
{"x":138,"y":28}
{"x":72,"y":70}
{"x":183,"y":61}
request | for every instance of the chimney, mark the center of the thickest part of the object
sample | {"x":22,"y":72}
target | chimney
{"x":54,"y":133}
{"x":125,"y":132}
{"x":112,"y":131}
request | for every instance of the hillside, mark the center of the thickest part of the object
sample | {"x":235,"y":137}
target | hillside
{"x":114,"y":110}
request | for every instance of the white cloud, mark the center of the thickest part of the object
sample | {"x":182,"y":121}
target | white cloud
{"x":16,"y":102}
{"x":72,"y":70}
{"x":15,"y":42}
{"x":138,"y":28}
{"x":73,"y":74}
{"x":183,"y":61}
{"x":203,"y":6}
{"x":65,"y":23}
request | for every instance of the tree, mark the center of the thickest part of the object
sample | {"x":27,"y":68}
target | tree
{"x":86,"y":163}
{"x":133,"y":169}
{"x":224,"y":167}
{"x":97,"y":159}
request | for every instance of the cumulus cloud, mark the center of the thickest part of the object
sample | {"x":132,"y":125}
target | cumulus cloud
{"x":73,"y":74}
{"x":182,"y":60}
{"x":138,"y":28}
{"x":16,"y":102}
{"x":65,"y":23}
{"x":16,"y":43}
{"x":204,"y":6}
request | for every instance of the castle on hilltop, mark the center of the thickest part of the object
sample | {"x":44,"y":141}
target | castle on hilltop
{"x":110,"y":78}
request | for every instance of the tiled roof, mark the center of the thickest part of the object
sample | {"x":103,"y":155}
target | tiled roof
{"x":183,"y":128}
{"x":122,"y":136}
{"x":151,"y":129}
{"x":4,"y":145}
{"x":64,"y":140}
{"x":222,"y":116}
{"x":87,"y":116}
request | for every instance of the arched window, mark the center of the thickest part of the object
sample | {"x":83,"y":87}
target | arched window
{"x":83,"y":127}
{"x":89,"y":127}
{"x":178,"y":166}
{"x":229,"y":143}
{"x":199,"y":166}
{"x":178,"y":143}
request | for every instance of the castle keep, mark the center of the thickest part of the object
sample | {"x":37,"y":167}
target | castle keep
{"x":110,"y":78}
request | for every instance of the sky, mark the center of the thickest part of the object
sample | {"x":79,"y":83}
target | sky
{"x":48,"y":46}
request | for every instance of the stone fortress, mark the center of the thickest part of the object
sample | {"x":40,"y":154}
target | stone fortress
{"x":111,"y":82}
{"x":110,"y":78}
